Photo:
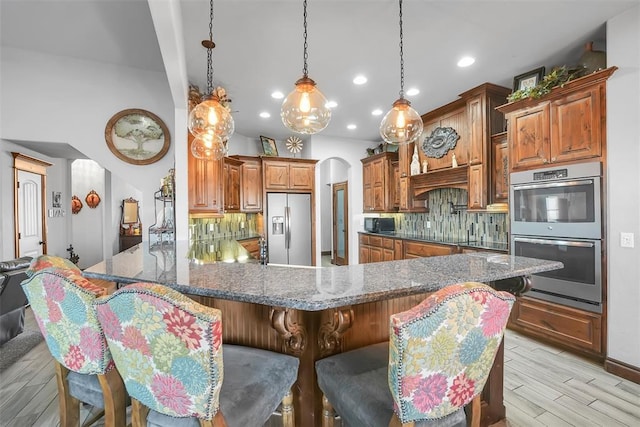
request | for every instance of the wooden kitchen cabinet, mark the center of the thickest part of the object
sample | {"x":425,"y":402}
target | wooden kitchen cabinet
{"x":482,"y":121}
{"x":477,"y":187}
{"x":564,"y":126}
{"x":561,"y":325}
{"x":395,"y":182}
{"x":414,"y":249}
{"x":250,"y":184}
{"x":499,"y":176}
{"x":378,"y":184}
{"x":289,"y":174}
{"x":231,"y":178}
{"x":376,"y":249}
{"x":205,"y":192}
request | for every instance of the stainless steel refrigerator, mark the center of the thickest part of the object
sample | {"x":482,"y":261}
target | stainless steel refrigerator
{"x":289,"y":228}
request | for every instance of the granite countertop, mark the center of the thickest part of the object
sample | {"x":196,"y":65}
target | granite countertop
{"x":308,"y":288}
{"x":463,"y":243}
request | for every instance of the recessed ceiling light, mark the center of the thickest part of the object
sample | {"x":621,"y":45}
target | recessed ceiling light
{"x":277,"y":95}
{"x":331,"y":104}
{"x":413,"y":91}
{"x":359,"y":80}
{"x":265,"y":115}
{"x":465,"y":61}
{"x":351,"y":126}
{"x":376,"y":112}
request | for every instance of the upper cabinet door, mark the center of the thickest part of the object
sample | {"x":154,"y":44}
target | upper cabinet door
{"x":301,"y":176}
{"x":276,"y":176}
{"x":529,"y":136}
{"x":477,"y":129}
{"x":576,"y":126}
{"x":205,"y":185}
{"x":251,"y":188}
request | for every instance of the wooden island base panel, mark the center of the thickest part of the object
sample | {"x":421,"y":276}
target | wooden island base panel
{"x":315,"y":312}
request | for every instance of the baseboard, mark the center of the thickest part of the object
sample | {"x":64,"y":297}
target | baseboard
{"x":623,"y":370}
{"x":325,"y":253}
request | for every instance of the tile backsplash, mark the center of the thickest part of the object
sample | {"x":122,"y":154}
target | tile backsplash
{"x":462,"y":226}
{"x":231,"y":225}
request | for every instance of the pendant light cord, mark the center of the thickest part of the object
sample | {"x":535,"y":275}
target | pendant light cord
{"x":209,"y":49}
{"x":305,"y":71}
{"x":401,"y":56}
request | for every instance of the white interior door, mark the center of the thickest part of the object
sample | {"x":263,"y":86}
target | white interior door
{"x":31,"y":238}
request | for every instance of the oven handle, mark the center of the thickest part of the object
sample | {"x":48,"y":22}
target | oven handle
{"x":554,"y":242}
{"x":553,"y":184}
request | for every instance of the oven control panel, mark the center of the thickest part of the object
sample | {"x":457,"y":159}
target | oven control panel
{"x":552,"y":174}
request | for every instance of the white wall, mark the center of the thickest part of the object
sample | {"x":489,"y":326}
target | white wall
{"x":75,"y":101}
{"x":351,"y":151}
{"x":623,"y":188}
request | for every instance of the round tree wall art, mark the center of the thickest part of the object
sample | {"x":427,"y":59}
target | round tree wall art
{"x":137,"y":136}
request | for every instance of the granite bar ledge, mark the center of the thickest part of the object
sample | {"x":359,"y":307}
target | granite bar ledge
{"x":305,"y":288}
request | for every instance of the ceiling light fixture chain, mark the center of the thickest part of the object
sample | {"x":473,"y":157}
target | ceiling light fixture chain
{"x":401,"y":56}
{"x":210,"y":47}
{"x":305,"y":69}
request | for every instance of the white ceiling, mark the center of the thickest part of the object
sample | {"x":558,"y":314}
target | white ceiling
{"x":259,"y":46}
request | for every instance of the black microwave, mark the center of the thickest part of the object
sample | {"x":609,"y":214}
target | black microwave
{"x":379,"y":225}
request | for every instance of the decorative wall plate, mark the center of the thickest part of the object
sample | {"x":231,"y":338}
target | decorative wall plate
{"x":440,"y":142}
{"x":92,"y":199}
{"x":76,"y":205}
{"x":137,"y":136}
{"x":294,"y":144}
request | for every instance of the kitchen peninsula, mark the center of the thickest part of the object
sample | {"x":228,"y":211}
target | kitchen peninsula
{"x":312,"y":312}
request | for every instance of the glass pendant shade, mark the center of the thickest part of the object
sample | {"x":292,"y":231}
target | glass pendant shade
{"x":211,"y":117}
{"x":208,"y":147}
{"x":402,"y":124}
{"x":304,"y":110}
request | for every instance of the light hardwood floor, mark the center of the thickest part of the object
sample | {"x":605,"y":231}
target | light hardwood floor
{"x":543,"y":386}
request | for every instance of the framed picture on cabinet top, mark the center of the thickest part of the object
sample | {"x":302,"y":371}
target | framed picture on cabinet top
{"x":269,"y":146}
{"x":137,"y":136}
{"x":528,"y":80}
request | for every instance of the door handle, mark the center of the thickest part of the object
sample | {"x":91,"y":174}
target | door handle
{"x":287,"y":227}
{"x":41,"y":243}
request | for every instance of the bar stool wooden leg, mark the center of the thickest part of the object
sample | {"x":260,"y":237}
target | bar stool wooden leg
{"x":139,"y":414}
{"x":395,"y":422}
{"x":475,"y":412}
{"x":328,"y":414}
{"x":69,"y":405}
{"x":288,"y":415}
{"x":115,"y":397}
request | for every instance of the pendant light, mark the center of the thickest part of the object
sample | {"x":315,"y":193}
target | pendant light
{"x":210,"y":121}
{"x":402,"y":124}
{"x":304,"y":110}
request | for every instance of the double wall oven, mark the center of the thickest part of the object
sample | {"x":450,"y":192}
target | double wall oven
{"x":556,"y":214}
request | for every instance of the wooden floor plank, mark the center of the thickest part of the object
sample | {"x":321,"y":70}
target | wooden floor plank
{"x":550,"y":405}
{"x":519,"y":418}
{"x":615,"y":413}
{"x":42,"y":399}
{"x":631,"y":397}
{"x":528,"y":374}
{"x":524,"y":406}
{"x":604,"y":396}
{"x":595,"y":416}
{"x":551,"y":420}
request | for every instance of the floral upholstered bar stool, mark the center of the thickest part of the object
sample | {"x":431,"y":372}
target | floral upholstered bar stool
{"x":62,"y":304}
{"x":168,"y":349}
{"x":436,"y":361}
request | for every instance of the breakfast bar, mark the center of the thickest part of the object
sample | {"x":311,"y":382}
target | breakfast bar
{"x":312,"y":312}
